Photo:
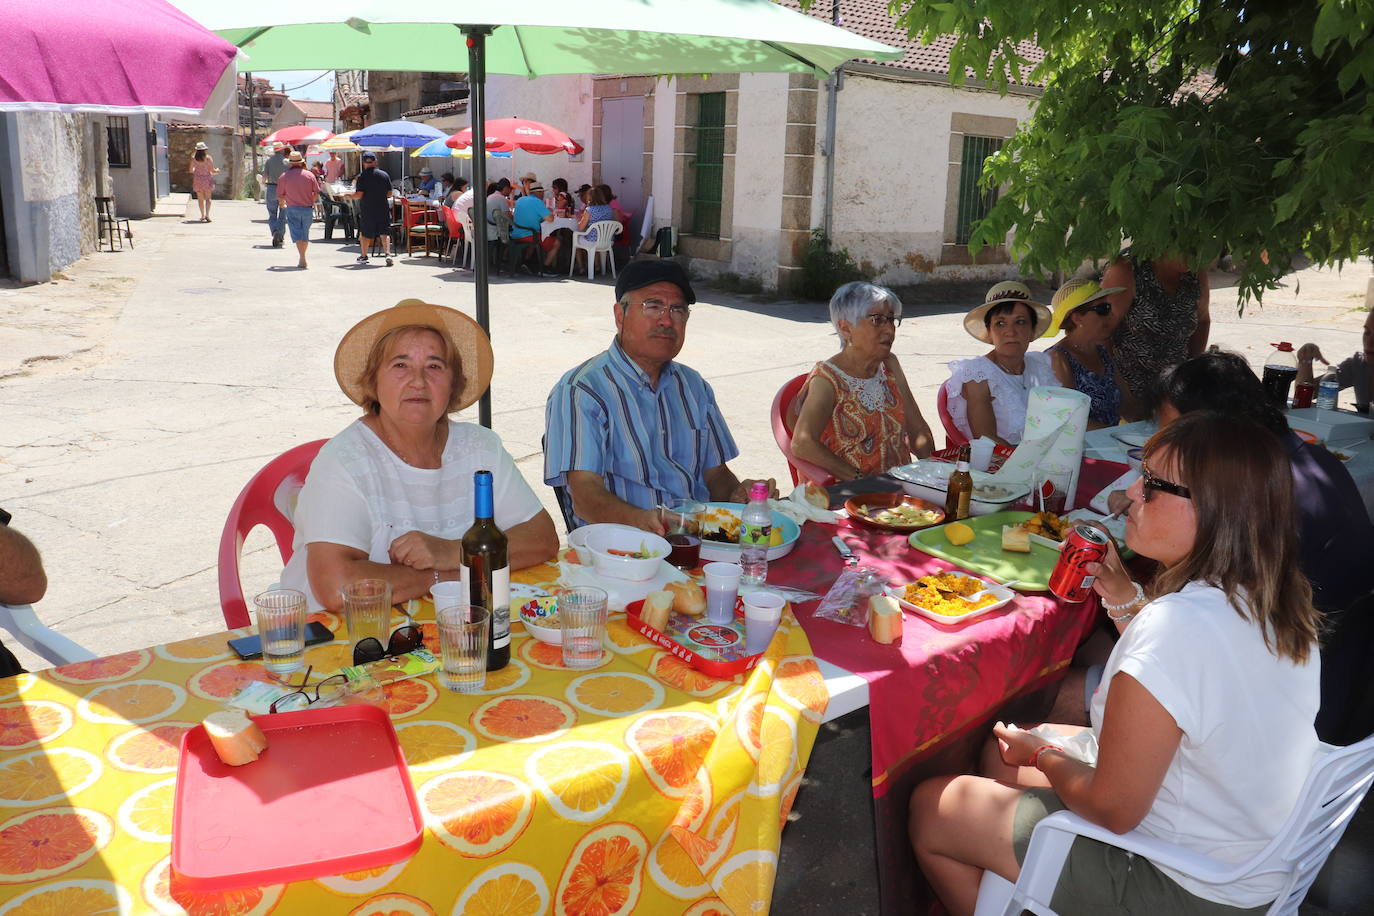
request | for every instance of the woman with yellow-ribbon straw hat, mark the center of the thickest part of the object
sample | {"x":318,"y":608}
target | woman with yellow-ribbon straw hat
{"x":1085,"y":360}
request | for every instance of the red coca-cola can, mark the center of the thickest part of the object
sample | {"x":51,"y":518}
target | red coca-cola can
{"x":1071,"y":580}
{"x":1302,"y":394}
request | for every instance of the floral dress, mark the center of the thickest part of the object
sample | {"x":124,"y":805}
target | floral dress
{"x":1154,"y":334}
{"x":867,"y":425}
{"x":1106,"y":397}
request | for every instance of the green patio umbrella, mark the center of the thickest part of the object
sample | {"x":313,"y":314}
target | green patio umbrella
{"x":531,"y":38}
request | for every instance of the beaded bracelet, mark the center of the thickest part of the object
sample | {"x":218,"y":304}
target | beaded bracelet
{"x":1035,"y":757}
{"x":1137,"y":599}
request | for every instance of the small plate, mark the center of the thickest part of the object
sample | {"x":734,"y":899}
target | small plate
{"x":935,"y":474}
{"x":863,"y":506}
{"x":1003,"y":594}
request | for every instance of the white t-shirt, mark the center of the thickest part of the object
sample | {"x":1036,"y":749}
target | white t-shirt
{"x":1248,"y":741}
{"x":1009,"y":392}
{"x":360,"y":494}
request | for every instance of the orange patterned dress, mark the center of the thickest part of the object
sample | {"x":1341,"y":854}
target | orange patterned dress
{"x":867,"y":426}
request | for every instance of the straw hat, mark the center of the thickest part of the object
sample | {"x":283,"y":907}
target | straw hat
{"x":201,"y":145}
{"x":1006,"y":291}
{"x":1076,"y":294}
{"x":296,"y":158}
{"x":468,"y":338}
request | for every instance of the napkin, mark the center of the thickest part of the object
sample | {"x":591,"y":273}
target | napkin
{"x":1052,"y":443}
{"x":798,"y":509}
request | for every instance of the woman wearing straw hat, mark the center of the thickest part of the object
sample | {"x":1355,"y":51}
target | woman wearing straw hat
{"x":391,"y":496}
{"x":1083,"y":360}
{"x":203,"y":172}
{"x":987,"y":395}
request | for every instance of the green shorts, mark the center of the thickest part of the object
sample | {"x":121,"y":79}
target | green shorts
{"x":1102,"y":880}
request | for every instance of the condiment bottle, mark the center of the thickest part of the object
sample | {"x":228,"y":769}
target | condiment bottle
{"x":960,"y":488}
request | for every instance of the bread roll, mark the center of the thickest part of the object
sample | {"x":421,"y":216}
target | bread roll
{"x":884,"y":619}
{"x":817,"y":496}
{"x":1015,"y":539}
{"x":688,"y":598}
{"x":236,"y":738}
{"x":656,"y":608}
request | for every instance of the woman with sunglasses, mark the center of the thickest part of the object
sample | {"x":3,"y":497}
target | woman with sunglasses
{"x":1202,"y":726}
{"x":1083,"y":359}
{"x":856,"y":416}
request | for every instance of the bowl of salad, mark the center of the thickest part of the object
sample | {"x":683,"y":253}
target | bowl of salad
{"x":625,"y":553}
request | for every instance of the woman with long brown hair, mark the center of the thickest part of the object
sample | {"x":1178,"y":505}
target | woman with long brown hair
{"x":1202,"y":727}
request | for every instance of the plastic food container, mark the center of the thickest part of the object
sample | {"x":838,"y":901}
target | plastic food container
{"x":602,"y":541}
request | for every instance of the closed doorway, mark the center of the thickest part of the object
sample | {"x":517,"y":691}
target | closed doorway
{"x":622,"y":151}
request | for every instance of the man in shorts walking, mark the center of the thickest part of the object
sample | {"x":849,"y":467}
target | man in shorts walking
{"x":297,"y":188}
{"x":374,"y":213}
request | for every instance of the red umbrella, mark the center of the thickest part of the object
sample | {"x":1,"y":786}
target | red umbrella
{"x":506,"y":134}
{"x":296,"y":135}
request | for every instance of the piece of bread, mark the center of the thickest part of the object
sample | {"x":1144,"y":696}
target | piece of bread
{"x":884,"y":619}
{"x":688,"y":598}
{"x":817,"y":496}
{"x":236,"y":738}
{"x":1015,"y":539}
{"x":656,"y":608}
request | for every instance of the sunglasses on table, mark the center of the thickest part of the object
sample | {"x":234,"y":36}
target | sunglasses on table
{"x":311,"y":693}
{"x":1100,"y":308}
{"x":1152,"y":484}
{"x":404,"y":639}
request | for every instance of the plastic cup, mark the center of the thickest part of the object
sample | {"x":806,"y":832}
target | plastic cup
{"x":980,"y":453}
{"x":722,"y":588}
{"x":463,"y":646}
{"x":281,"y":628}
{"x":448,"y":594}
{"x":762,"y":611}
{"x":367,"y":609}
{"x":582,"y":615}
{"x":682,"y":528}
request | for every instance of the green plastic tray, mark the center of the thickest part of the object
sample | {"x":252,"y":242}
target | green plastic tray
{"x":984,"y":554}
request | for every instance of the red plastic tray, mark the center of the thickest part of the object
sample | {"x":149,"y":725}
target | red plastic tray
{"x":331,"y":794}
{"x":716,"y":652}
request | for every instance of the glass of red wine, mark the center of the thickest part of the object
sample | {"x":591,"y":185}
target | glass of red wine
{"x":682,"y":529}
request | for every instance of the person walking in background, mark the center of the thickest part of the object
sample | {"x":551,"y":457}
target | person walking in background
{"x":298,"y":188}
{"x":373,"y":186}
{"x":203,"y":172}
{"x":333,"y":167}
{"x":272,"y":170}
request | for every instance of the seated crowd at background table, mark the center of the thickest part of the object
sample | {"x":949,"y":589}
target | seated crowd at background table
{"x":1201,"y":747}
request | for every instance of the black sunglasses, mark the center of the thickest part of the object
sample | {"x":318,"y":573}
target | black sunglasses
{"x":1102,"y":308}
{"x":404,"y":639}
{"x":311,"y":692}
{"x":1153,"y":484}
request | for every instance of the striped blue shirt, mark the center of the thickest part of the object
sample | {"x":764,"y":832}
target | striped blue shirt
{"x":650,"y":445}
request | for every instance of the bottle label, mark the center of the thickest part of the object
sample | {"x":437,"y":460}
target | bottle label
{"x":499,"y":606}
{"x":755,"y":535}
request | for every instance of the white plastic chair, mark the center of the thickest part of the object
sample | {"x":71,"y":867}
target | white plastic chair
{"x":1330,"y":796}
{"x":29,"y":632}
{"x":606,"y":230}
{"x":466,"y":220}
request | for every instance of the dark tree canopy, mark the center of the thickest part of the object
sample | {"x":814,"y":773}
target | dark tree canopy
{"x":1186,"y":127}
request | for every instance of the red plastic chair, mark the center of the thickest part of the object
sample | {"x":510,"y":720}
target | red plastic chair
{"x":953,"y":436}
{"x":455,"y":232}
{"x":261,"y":503}
{"x":782,"y":432}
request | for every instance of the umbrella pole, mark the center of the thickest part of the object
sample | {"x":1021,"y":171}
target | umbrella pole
{"x":477,"y":77}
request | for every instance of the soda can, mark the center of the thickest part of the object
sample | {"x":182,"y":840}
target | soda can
{"x":1070,"y":580}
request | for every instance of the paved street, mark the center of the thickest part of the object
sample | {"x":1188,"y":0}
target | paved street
{"x":143,"y":389}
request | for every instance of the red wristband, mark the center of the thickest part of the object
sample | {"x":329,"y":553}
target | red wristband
{"x":1035,"y":757}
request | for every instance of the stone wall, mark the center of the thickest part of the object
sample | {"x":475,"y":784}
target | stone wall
{"x":224,"y":145}
{"x":54,"y":167}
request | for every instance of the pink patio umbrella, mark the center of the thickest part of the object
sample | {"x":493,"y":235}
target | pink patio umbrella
{"x":296,"y":135}
{"x":121,"y":58}
{"x":506,"y":134}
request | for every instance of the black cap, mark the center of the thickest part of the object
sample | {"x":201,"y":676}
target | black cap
{"x":372,"y":156}
{"x":585,"y":187}
{"x":646,"y":272}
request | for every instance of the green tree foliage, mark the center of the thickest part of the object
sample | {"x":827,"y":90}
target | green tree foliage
{"x":1187,"y":127}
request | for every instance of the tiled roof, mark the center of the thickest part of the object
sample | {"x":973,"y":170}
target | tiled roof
{"x":443,"y":108}
{"x":871,"y":19}
{"x":312,"y":108}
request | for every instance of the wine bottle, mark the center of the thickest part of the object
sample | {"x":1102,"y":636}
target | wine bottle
{"x":960,"y":488}
{"x":486,"y":572}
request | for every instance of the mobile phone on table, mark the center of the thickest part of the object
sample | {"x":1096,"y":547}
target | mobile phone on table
{"x":250,"y":647}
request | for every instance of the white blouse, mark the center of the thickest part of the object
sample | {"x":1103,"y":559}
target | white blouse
{"x":1009,"y":392}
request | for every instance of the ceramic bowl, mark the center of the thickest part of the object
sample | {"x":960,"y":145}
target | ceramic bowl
{"x":540,"y":617}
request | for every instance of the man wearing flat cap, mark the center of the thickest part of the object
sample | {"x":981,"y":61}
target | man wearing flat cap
{"x":272,"y":170}
{"x":632,"y":428}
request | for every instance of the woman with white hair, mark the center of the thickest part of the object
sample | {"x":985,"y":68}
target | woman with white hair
{"x":856,"y":413}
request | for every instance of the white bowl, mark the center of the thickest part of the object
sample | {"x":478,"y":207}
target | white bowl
{"x":602,"y":539}
{"x":577,"y":539}
{"x":534,"y":611}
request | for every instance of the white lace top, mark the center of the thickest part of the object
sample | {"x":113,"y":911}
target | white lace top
{"x":1009,"y":392}
{"x":360,"y":494}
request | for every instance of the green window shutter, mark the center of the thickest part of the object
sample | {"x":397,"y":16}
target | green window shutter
{"x":709,"y":163}
{"x":974,"y":203}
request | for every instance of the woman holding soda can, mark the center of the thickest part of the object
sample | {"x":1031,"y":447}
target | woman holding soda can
{"x":1202,"y":728}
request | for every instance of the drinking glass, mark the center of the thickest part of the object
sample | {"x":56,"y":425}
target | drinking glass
{"x":367,"y":609}
{"x":463,"y":646}
{"x":281,"y":628}
{"x":682,"y":529}
{"x":582,"y":614}
{"x":762,"y":613}
{"x":722,"y":587}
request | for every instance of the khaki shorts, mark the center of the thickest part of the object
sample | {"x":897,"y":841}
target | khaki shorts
{"x":1102,"y":880}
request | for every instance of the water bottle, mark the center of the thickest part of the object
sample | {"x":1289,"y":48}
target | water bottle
{"x":1328,"y":389}
{"x":755,"y":531}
